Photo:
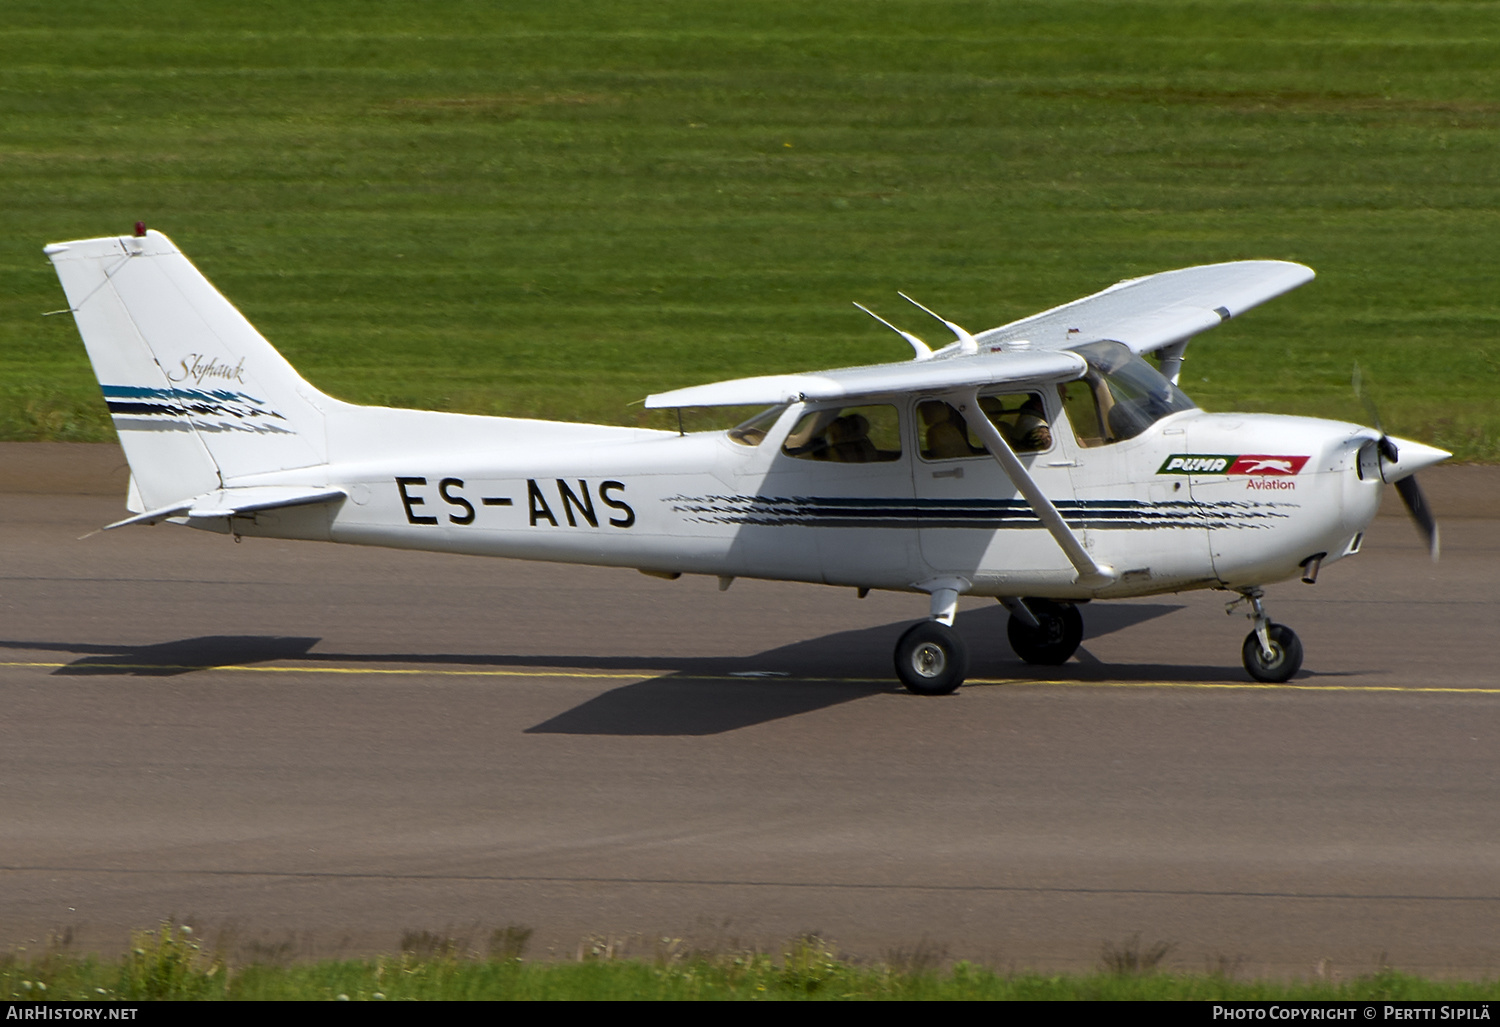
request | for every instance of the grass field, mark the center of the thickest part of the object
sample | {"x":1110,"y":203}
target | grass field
{"x":555,"y":208}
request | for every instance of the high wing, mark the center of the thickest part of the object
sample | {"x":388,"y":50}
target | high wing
{"x":936,"y":375}
{"x":1146,"y":314}
{"x":1158,"y":310}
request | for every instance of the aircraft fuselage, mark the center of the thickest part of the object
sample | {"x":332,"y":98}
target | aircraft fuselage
{"x":1199,"y":500}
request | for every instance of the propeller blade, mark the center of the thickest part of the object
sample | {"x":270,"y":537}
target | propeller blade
{"x":1388,"y":449}
{"x":1421,"y":513}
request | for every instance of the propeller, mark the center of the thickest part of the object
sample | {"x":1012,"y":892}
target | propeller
{"x":1405,"y":479}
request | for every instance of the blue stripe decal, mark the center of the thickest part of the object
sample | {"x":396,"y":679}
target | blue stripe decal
{"x":991,"y":514}
{"x":136,"y":406}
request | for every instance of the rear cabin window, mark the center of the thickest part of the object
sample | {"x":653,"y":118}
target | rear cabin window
{"x":847,"y":435}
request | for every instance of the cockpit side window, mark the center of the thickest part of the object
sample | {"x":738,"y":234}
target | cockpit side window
{"x":1081,"y":404}
{"x":1021,"y":418}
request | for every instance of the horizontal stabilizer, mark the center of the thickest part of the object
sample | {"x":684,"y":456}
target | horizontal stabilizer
{"x":236,"y":503}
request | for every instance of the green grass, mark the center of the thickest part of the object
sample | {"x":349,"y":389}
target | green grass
{"x":168,"y":963}
{"x":555,"y":208}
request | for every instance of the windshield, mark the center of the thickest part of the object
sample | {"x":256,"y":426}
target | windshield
{"x":1130,"y":394}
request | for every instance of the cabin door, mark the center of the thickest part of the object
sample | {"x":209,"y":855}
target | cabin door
{"x":974,"y":522}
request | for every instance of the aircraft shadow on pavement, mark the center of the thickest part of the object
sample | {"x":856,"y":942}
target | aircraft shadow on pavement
{"x":686,"y":695}
{"x":183,"y":656}
{"x":834,"y":669}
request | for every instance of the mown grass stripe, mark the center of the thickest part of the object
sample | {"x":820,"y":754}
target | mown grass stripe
{"x":671,"y":192}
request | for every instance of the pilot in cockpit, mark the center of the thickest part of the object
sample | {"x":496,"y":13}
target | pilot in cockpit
{"x":1030,"y":431}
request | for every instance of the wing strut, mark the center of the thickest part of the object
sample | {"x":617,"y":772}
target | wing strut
{"x":1090,"y":574}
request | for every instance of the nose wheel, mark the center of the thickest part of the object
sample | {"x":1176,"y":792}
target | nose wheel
{"x":1282,"y":661}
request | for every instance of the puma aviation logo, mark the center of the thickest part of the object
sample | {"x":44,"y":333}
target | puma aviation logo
{"x":1250,"y":464}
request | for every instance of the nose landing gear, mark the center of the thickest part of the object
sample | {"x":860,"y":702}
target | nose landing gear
{"x":1272,"y":652}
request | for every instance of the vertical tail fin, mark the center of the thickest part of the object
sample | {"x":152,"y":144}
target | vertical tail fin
{"x":197,"y":395}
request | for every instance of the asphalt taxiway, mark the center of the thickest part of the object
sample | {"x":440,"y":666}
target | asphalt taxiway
{"x":317,"y":748}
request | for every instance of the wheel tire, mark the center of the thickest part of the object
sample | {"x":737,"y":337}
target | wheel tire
{"x":1056,"y":638}
{"x":931,"y":659}
{"x":1286,"y":658}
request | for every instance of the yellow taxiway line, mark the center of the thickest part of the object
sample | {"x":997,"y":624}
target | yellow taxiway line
{"x":106,"y":667}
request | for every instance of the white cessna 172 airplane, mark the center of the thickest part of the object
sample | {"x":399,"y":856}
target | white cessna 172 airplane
{"x":1044,"y":462}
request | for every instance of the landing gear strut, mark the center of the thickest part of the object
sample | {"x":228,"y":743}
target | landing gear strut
{"x":1043,"y":631}
{"x":1272,"y":652}
{"x":930,"y":657}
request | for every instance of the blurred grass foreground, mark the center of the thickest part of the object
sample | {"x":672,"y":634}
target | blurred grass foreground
{"x":171,"y":963}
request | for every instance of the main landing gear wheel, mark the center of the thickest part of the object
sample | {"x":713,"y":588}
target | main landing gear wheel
{"x":931,"y":658}
{"x":1054,"y":640}
{"x":1284,"y":661}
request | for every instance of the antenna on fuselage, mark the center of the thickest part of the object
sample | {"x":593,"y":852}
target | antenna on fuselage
{"x":966,"y":342}
{"x":920,"y":349}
